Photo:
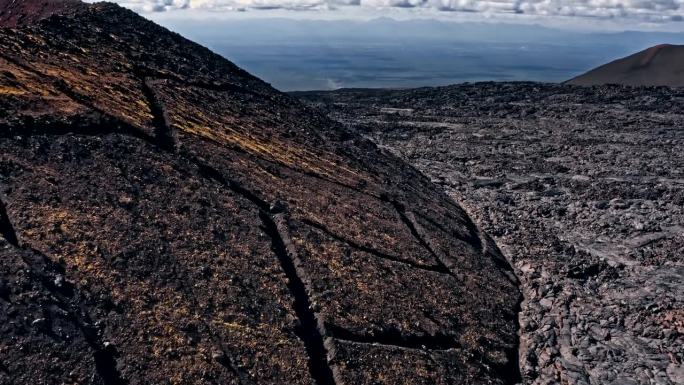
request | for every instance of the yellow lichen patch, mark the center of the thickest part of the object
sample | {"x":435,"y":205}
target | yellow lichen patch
{"x":116,"y":94}
{"x":256,"y":171}
{"x":286,"y":153}
{"x":158,"y":326}
{"x":205,"y":114}
{"x":5,"y":90}
{"x":230,"y":325}
{"x":30,"y":83}
{"x":39,"y":92}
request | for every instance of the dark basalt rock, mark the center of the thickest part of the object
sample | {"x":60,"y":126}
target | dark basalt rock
{"x":168,"y":218}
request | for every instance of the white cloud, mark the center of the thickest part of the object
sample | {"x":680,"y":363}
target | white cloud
{"x":652,"y":11}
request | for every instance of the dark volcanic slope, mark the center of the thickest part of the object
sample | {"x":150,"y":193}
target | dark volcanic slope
{"x":584,"y":189}
{"x":662,"y":65}
{"x":15,"y":13}
{"x":169,"y":219}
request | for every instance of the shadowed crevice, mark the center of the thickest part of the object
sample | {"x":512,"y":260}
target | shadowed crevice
{"x":104,"y":123}
{"x":93,"y":124}
{"x":104,"y":356}
{"x":210,"y":172}
{"x":359,"y":189}
{"x":417,"y":233}
{"x":105,"y":364}
{"x":163,"y":131}
{"x":433,"y":268}
{"x":308,"y":330}
{"x":395,"y":338}
{"x":6,"y":228}
{"x":96,"y":123}
{"x":146,"y":73}
{"x":510,"y":372}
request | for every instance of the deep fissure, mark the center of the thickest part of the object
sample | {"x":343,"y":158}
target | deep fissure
{"x":164,"y":136}
{"x":94,"y":124}
{"x":433,"y":268}
{"x":395,"y":338}
{"x":6,"y":228}
{"x":401,"y":211}
{"x":160,"y":119}
{"x":312,"y":337}
{"x":308,"y":331}
{"x":511,"y":371}
{"x":105,"y":360}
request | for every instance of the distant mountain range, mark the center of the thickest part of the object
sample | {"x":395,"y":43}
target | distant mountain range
{"x":661,"y":65}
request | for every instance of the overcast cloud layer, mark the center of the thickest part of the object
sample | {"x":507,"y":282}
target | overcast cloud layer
{"x":653,"y":11}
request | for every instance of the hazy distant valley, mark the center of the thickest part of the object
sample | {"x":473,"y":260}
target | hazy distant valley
{"x":382,"y":53}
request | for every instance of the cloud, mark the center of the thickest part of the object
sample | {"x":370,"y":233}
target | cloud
{"x":218,"y":5}
{"x":639,"y":10}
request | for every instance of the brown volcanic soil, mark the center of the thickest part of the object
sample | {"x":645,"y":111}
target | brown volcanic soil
{"x":583,"y":188}
{"x":166,"y":218}
{"x":662,"y":65}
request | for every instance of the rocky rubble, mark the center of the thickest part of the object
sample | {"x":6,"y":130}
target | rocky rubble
{"x":583,"y":188}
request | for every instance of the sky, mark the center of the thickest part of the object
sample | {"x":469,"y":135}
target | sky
{"x":590,"y":14}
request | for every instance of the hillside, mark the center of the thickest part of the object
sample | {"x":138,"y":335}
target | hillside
{"x":662,"y":65}
{"x":167,"y":218}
